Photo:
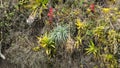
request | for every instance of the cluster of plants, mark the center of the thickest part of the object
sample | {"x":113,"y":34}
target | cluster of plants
{"x":72,"y":27}
{"x":97,"y":34}
{"x":51,"y":41}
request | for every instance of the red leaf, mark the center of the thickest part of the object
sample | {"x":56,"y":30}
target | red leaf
{"x":92,"y":7}
{"x":51,"y":10}
{"x":50,"y":15}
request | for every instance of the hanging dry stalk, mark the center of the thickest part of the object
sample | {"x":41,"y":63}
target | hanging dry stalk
{"x":1,"y":55}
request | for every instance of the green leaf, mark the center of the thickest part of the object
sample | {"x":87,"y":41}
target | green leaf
{"x":53,"y":46}
{"x":81,"y":2}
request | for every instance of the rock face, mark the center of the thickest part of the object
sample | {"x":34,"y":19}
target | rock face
{"x":21,"y":55}
{"x":6,"y":64}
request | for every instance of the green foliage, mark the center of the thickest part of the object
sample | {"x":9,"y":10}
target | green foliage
{"x":35,"y":4}
{"x":99,"y":31}
{"x":95,"y":34}
{"x":110,"y":60}
{"x":59,"y":35}
{"x":112,"y":34}
{"x":47,"y":44}
{"x":92,"y":49}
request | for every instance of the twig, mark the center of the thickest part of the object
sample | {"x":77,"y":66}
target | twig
{"x":111,"y":25}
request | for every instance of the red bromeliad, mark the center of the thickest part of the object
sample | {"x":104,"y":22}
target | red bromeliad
{"x":50,"y":15}
{"x":92,"y":7}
